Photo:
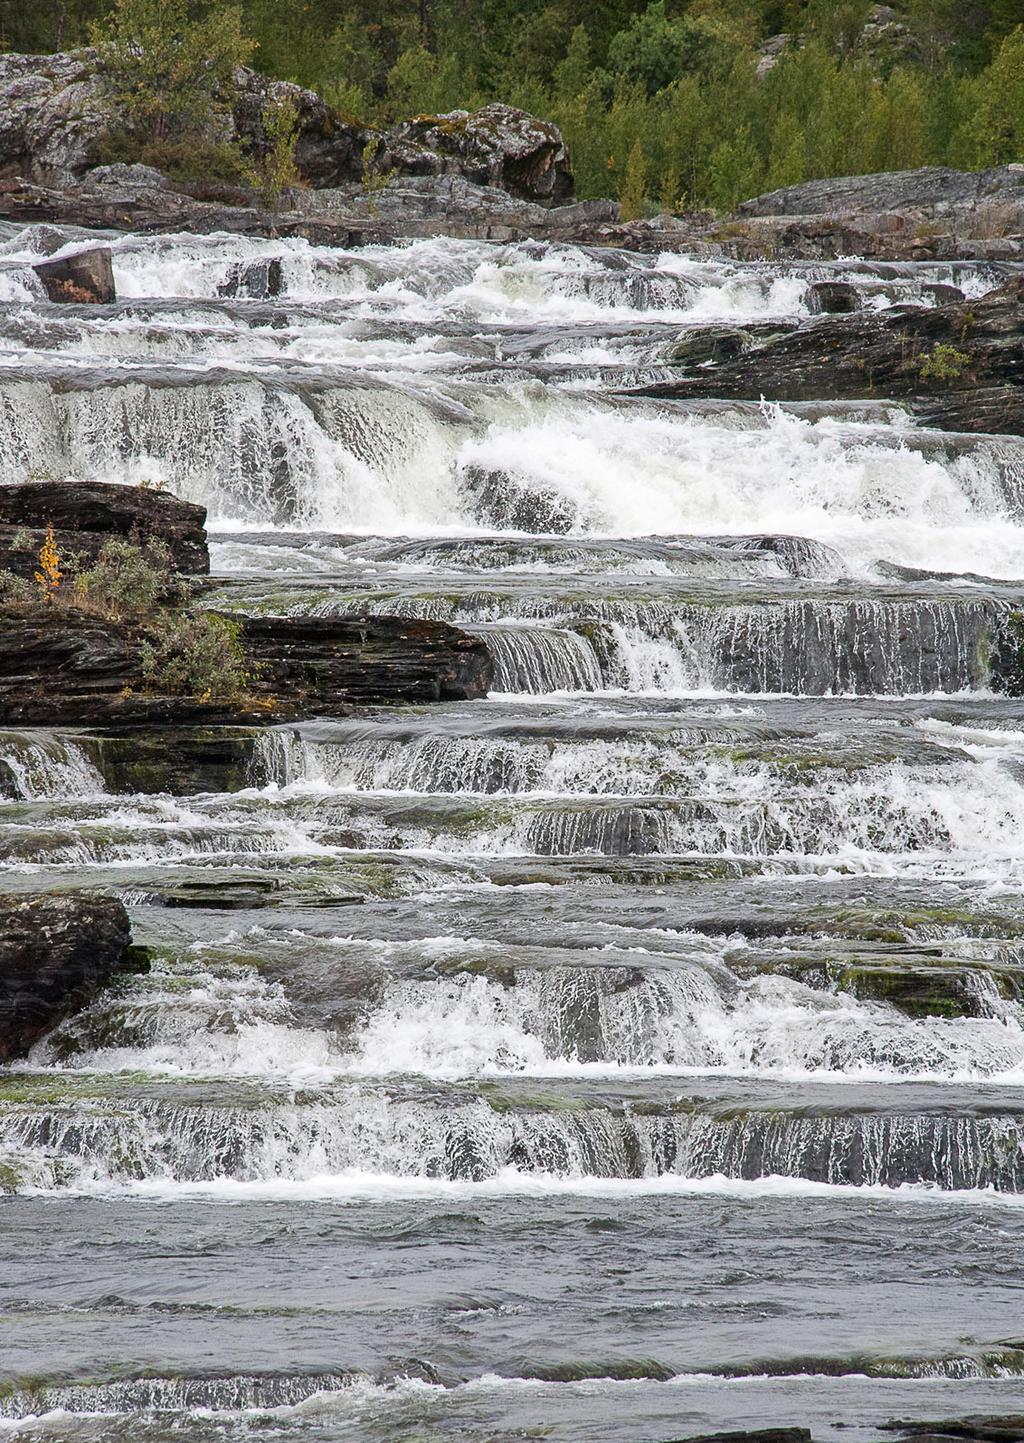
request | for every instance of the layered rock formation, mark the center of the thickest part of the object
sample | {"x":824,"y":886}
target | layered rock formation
{"x":84,"y":513}
{"x":56,"y":954}
{"x":62,"y":666}
{"x":960,"y":365}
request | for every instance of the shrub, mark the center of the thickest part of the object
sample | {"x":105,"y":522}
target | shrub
{"x":128,"y":579}
{"x":166,"y":68}
{"x":49,"y":574}
{"x":945,"y":363}
{"x":17,"y":590}
{"x":275,"y":165}
{"x":195,"y":654}
{"x":634,"y":185}
{"x":192,"y":158}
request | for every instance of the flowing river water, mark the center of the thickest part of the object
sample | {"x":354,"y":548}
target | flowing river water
{"x":634,"y":1054}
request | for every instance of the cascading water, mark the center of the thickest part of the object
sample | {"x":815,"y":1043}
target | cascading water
{"x":637,"y":1053}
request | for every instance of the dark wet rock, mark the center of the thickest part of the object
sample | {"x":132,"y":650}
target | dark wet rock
{"x":718,"y":343}
{"x":752,"y":1435}
{"x":60,"y":666}
{"x":511,"y":503}
{"x":937,"y":357}
{"x":84,"y":513}
{"x":942,"y":294}
{"x":832,"y":298}
{"x":86,"y":277}
{"x":326,"y":662}
{"x":498,"y":146}
{"x":259,"y":280}
{"x":988,"y":410}
{"x":1004,"y":1429}
{"x":914,"y":983}
{"x":175,"y":763}
{"x":56,"y":954}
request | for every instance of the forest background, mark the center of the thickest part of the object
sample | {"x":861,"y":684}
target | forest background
{"x":684,"y":103}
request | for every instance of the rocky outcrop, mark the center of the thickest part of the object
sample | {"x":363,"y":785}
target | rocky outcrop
{"x":498,"y":146}
{"x":931,"y":213}
{"x":53,"y":109}
{"x":56,"y":954}
{"x":935,"y":189}
{"x":60,"y":666}
{"x":940,"y":359}
{"x":85,"y":277}
{"x":56,"y":109}
{"x":84,"y":513}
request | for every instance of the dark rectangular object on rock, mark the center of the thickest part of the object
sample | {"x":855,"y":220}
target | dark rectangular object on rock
{"x":84,"y":278}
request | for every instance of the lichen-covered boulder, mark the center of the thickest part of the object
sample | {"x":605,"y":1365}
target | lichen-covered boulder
{"x":497,"y":146}
{"x":53,"y":108}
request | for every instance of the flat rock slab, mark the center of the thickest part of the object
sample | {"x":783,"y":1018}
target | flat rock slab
{"x":56,"y":954}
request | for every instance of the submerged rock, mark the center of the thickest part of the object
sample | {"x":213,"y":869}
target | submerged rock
{"x":56,"y":954}
{"x":84,"y":513}
{"x":86,"y":277}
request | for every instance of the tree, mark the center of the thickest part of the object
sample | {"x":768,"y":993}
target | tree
{"x":656,"y":50}
{"x":634,"y":185}
{"x":998,"y":123}
{"x":166,"y":67}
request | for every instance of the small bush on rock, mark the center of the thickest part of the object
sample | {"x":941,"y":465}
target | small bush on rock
{"x":195,"y":654}
{"x":128,"y":579}
{"x":17,"y":590}
{"x":945,"y":363}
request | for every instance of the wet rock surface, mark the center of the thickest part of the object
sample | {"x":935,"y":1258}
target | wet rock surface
{"x":56,"y":954}
{"x":84,"y":513}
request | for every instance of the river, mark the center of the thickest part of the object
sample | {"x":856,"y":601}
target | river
{"x":635,"y":1054}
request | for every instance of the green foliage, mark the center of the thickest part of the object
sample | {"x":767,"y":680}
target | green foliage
{"x":191,"y":159}
{"x":167,"y":64}
{"x":196,"y":654}
{"x":944,"y":363}
{"x":998,"y":123}
{"x":656,"y":49}
{"x":634,"y":185}
{"x":127,"y":578}
{"x":676,"y":77}
{"x":275,"y":166}
{"x":17,"y":590}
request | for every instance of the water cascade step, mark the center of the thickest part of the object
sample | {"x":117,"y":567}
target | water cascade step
{"x":636,"y":1052}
